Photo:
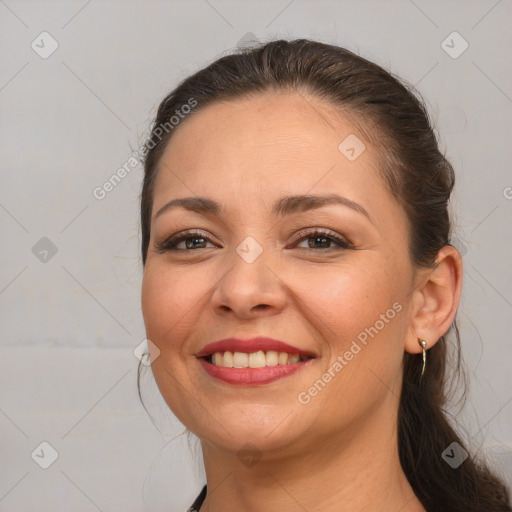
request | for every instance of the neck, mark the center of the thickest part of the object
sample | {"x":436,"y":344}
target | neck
{"x":357,"y":469}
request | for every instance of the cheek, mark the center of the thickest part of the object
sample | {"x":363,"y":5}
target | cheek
{"x":168,"y":303}
{"x":359,"y":314}
{"x":168,"y":300}
{"x":360,"y":318}
{"x":349,"y":300}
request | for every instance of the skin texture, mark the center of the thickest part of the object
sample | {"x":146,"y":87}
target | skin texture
{"x":341,"y":447}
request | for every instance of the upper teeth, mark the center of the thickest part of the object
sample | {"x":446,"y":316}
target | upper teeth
{"x":254,"y":359}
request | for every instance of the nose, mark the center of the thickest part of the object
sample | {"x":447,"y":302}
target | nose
{"x":250,"y":287}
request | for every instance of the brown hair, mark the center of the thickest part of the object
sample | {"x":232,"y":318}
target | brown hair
{"x":419,"y":177}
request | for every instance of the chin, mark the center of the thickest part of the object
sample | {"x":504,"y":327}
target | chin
{"x":235,"y":428}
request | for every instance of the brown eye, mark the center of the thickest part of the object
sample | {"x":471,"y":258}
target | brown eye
{"x":323,"y":240}
{"x":190,"y":238}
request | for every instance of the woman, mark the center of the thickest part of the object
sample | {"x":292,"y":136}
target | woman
{"x":299,"y":285}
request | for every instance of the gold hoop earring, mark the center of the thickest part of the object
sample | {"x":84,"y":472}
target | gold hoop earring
{"x":423,"y":344}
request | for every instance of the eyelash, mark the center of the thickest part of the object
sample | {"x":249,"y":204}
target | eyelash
{"x":170,"y":243}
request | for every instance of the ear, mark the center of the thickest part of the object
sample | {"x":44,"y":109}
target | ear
{"x":435,"y":300}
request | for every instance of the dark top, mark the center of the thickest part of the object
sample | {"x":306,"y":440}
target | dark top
{"x":199,"y":501}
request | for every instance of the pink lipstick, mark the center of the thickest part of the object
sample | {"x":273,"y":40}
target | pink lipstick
{"x":255,"y":361}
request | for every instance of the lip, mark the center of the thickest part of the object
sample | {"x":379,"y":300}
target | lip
{"x":252,"y":345}
{"x":252,"y":376}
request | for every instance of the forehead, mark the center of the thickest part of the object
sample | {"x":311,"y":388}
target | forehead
{"x":286,"y":125}
{"x":266,"y":146}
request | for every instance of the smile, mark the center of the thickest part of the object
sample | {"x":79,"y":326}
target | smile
{"x":254,"y":361}
{"x":255,"y":368}
{"x":257,"y":359}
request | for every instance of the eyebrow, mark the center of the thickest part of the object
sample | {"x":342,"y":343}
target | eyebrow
{"x":284,"y":206}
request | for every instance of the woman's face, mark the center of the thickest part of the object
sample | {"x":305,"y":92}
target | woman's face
{"x":265,"y":273}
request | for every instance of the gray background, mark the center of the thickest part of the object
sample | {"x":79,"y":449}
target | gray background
{"x":71,"y":320}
